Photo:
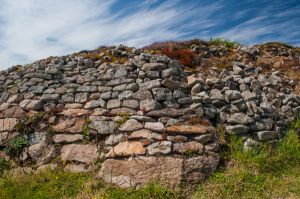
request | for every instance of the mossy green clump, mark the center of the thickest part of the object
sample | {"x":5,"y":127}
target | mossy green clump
{"x":124,"y":118}
{"x":190,"y":153}
{"x":223,"y":42}
{"x":86,"y":129}
{"x":16,"y":146}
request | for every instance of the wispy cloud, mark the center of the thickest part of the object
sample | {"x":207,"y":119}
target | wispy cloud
{"x":34,"y":29}
{"x":274,"y":22}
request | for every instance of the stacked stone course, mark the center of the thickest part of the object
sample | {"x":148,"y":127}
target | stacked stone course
{"x":146,"y":118}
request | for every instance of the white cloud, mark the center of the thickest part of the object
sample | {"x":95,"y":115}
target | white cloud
{"x":267,"y":25}
{"x":35,"y":29}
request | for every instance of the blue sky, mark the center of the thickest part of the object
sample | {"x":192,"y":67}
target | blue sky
{"x":36,"y":29}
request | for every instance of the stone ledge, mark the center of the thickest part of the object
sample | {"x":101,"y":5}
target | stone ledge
{"x":172,"y":171}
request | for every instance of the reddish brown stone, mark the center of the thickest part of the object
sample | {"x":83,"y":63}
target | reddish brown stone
{"x":13,"y":112}
{"x":69,"y":125}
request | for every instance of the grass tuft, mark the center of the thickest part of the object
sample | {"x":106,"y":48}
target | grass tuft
{"x":16,"y":146}
{"x":262,"y":172}
{"x":4,"y":165}
{"x":223,"y":42}
{"x":46,"y":184}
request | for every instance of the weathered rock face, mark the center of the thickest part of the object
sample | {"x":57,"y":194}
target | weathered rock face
{"x":81,"y":110}
{"x":172,"y":171}
{"x":80,"y":153}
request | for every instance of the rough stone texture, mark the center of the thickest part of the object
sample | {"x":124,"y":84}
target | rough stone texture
{"x":95,"y":104}
{"x":237,"y":129}
{"x":14,"y":112}
{"x":154,"y":66}
{"x":69,"y":125}
{"x":150,"y":105}
{"x":131,"y":125}
{"x":188,"y":129}
{"x":114,"y":139}
{"x":155,"y":126}
{"x":188,"y":148}
{"x":177,"y":138}
{"x":114,"y":103}
{"x":36,"y":150}
{"x":76,"y":168}
{"x":65,"y":138}
{"x":75,"y":112}
{"x":239,"y":118}
{"x":174,"y":172}
{"x":145,"y":134}
{"x":8,"y":124}
{"x":103,"y":127}
{"x":266,"y":135}
{"x":163,"y":147}
{"x":166,"y":112}
{"x":127,"y":149}
{"x":203,"y":139}
{"x":87,"y":153}
{"x":34,"y":105}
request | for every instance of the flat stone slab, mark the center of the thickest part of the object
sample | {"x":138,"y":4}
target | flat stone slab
{"x":190,"y":129}
{"x":14,"y":112}
{"x":75,"y":112}
{"x":170,"y":171}
{"x":69,"y":125}
{"x":126,"y":149}
{"x":67,"y":138}
{"x":103,"y":127}
{"x":131,"y":125}
{"x":87,"y":153}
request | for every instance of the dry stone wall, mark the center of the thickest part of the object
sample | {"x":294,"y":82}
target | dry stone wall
{"x":145,"y":119}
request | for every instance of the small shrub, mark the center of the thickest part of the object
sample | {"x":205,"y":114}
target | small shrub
{"x":27,"y":124}
{"x":296,"y":124}
{"x":190,"y":153}
{"x":4,"y":165}
{"x":221,"y":134}
{"x":222,"y":42}
{"x":86,"y":129}
{"x":16,"y":146}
